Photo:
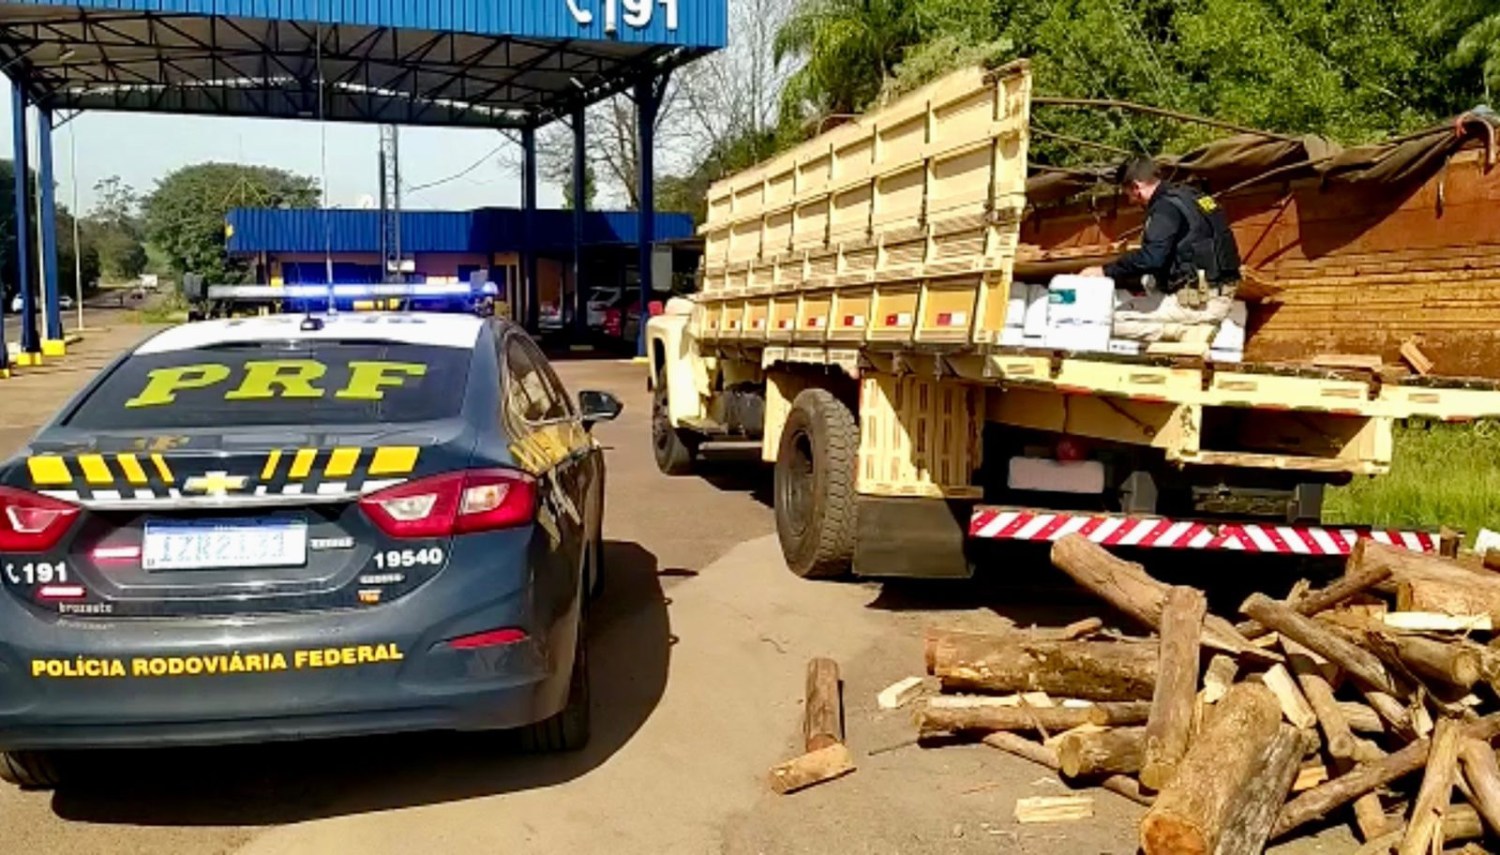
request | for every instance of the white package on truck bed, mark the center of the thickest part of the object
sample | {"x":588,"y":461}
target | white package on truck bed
{"x":1080,"y":312}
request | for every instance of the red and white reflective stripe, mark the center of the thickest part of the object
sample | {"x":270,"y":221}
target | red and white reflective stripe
{"x":989,"y":523}
{"x":952,"y":319}
{"x":816,"y":322}
{"x":854,"y":320}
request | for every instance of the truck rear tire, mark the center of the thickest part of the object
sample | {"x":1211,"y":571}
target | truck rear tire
{"x":815,"y":496}
{"x":675,"y":450}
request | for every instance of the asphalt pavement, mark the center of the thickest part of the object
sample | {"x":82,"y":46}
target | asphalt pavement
{"x":698,"y":645}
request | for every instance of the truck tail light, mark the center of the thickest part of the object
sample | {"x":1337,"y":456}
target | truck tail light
{"x":454,"y":503}
{"x":30,"y":522}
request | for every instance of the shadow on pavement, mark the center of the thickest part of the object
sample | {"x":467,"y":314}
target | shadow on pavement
{"x":630,"y":647}
{"x":737,"y":470}
{"x":1017,"y":581}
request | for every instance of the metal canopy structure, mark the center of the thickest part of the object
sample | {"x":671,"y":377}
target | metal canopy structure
{"x":517,"y":64}
{"x":508,"y":64}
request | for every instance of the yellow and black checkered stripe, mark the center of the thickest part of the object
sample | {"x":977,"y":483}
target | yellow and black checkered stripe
{"x":147,"y":477}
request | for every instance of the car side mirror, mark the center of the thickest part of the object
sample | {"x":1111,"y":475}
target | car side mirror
{"x":598,"y":407}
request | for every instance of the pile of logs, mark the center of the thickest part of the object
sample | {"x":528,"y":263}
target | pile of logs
{"x":1371,"y":700}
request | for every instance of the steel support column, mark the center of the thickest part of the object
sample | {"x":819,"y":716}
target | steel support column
{"x":31,"y":345}
{"x":648,"y":91}
{"x":580,"y":204}
{"x":52,"y":333}
{"x":533,"y":309}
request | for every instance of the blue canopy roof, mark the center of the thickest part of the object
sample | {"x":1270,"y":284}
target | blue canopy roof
{"x":486,"y":230}
{"x":491,"y":63}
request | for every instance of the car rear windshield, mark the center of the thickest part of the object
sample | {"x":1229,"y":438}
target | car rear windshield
{"x":310,"y":383}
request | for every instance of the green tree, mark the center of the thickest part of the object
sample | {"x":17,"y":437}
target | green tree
{"x":185,"y":215}
{"x":1473,"y":28}
{"x":849,"y":50}
{"x":590,"y":186}
{"x":115,"y":230}
{"x":65,"y":250}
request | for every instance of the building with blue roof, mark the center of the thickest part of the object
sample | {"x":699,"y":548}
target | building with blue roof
{"x":308,"y":245}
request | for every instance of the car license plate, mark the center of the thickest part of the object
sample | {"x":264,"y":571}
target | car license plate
{"x":224,"y":544}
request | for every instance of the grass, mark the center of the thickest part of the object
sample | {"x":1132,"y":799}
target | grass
{"x":1441,"y":475}
{"x":171,"y":308}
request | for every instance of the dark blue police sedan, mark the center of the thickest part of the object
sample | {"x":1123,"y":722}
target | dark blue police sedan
{"x":290,"y":527}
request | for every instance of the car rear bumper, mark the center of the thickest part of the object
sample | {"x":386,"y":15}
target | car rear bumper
{"x":74,"y":684}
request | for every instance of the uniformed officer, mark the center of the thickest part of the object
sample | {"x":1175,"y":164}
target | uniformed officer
{"x":1188,"y":265}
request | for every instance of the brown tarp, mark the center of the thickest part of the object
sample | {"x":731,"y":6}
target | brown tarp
{"x":1239,"y":160}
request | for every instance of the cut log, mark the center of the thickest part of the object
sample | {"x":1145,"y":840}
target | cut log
{"x":1294,"y":706}
{"x":1354,"y":660}
{"x":1193,"y":811}
{"x":1483,"y":776}
{"x":1255,"y":807}
{"x":1361,"y":718}
{"x":1366,"y":777}
{"x":1449,"y":542}
{"x":1024,"y":748}
{"x":1218,"y":677}
{"x":1054,"y":809}
{"x":1370,"y":819}
{"x":1353,"y":583}
{"x":1435,"y":622}
{"x":932,"y":720}
{"x":1351,"y":361}
{"x":1419,"y":361}
{"x":1317,"y":691}
{"x":1309,"y":775}
{"x":823,"y":715}
{"x":1171,"y":722}
{"x":1491,"y":559}
{"x":1461,"y":822}
{"x":1093,"y":670}
{"x":1087,"y":753}
{"x":1406,"y":564}
{"x":1126,"y":586}
{"x":899,"y":693}
{"x":1080,"y":629}
{"x":1448,"y":597}
{"x":1455,"y":663}
{"x":815,"y":767}
{"x":1397,"y":717}
{"x":1437,"y":788}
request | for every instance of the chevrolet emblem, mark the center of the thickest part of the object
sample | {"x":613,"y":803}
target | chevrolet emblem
{"x":214,"y":484}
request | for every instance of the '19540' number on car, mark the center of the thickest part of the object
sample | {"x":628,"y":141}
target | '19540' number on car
{"x":401,"y":558}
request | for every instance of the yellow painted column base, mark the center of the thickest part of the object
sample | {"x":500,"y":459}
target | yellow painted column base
{"x":54,"y":347}
{"x":4,"y":373}
{"x":23,"y":359}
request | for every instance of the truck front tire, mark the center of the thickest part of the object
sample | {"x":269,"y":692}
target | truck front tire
{"x":675,"y":450}
{"x":815,"y":478}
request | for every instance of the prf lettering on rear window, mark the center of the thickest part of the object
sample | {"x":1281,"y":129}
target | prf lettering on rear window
{"x":264,"y":379}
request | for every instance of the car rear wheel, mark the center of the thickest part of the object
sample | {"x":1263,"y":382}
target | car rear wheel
{"x":569,"y":729}
{"x":30,"y":770}
{"x":675,"y":449}
{"x":815,"y":496}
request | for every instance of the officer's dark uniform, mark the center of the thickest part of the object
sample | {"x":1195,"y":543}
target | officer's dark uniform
{"x":1186,"y":232}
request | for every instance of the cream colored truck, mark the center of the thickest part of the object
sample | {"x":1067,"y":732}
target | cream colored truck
{"x":854,"y":294}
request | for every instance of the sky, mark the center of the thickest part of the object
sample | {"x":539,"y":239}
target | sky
{"x":142,"y":147}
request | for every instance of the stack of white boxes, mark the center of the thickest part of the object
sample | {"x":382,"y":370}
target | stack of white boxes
{"x":1025,"y":317}
{"x":1080,"y":313}
{"x":1076,"y":313}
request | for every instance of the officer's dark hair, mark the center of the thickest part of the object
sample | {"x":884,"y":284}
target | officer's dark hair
{"x":1142,"y":169}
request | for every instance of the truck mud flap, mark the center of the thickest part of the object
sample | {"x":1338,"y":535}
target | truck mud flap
{"x":912,"y":538}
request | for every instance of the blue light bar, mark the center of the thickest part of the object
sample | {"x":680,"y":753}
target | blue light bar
{"x":376,"y":291}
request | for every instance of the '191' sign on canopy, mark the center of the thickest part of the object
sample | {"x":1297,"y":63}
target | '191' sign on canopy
{"x":637,"y":13}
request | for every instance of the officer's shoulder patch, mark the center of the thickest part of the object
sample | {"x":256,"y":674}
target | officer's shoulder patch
{"x":1208,"y":204}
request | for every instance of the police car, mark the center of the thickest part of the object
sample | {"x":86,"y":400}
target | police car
{"x":297,"y":526}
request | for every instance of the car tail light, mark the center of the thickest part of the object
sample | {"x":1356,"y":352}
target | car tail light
{"x":492,"y":638}
{"x":33,"y":523}
{"x":455,"y":503}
